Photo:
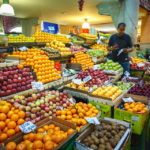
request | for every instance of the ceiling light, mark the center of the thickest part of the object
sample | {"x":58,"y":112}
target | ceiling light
{"x":6,"y":9}
{"x":85,"y":24}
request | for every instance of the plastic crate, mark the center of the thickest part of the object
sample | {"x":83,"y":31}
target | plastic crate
{"x":137,"y":120}
{"x":105,"y":109}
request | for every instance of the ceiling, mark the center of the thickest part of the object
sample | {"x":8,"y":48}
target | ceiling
{"x":59,"y":11}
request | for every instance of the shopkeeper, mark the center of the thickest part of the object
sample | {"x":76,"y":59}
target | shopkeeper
{"x":120,"y":44}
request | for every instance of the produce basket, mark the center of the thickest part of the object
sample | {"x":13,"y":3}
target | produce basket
{"x":64,"y":125}
{"x":137,"y":120}
{"x":122,"y":144}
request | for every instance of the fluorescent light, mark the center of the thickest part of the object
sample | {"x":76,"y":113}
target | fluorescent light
{"x":6,"y":10}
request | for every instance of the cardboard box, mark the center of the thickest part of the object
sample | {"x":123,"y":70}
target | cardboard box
{"x":137,"y":120}
{"x":122,"y":143}
{"x":63,"y":124}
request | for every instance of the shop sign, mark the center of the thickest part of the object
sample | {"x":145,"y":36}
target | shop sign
{"x":49,"y":27}
{"x":145,"y":4}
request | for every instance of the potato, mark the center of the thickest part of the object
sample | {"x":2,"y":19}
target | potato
{"x":108,"y":146}
{"x":105,"y":139}
{"x":113,"y":132}
{"x":101,"y":140}
{"x":94,"y":147}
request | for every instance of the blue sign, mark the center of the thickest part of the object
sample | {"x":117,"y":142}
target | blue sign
{"x":50,"y":27}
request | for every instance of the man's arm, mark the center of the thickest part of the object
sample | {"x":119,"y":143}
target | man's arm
{"x":130,"y":44}
{"x":112,"y":47}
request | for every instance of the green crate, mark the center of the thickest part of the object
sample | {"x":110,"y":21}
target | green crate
{"x":137,"y":121}
{"x":105,"y":109}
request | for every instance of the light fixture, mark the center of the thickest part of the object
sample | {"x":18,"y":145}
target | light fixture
{"x":6,"y":9}
{"x":85,"y":24}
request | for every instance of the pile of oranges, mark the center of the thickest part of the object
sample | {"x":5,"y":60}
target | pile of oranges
{"x":46,"y":138}
{"x":83,"y":59}
{"x":136,"y":107}
{"x":48,"y":37}
{"x":78,"y":113}
{"x":76,"y":86}
{"x":44,"y":68}
{"x":60,"y":47}
{"x":10,"y":119}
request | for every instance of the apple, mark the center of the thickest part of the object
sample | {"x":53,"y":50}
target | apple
{"x":41,"y":101}
{"x":28,"y":108}
{"x":47,"y":109}
{"x":37,"y":103}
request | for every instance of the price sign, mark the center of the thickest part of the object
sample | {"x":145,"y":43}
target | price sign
{"x":94,"y":59}
{"x":59,"y":107}
{"x":71,"y":100}
{"x":140,"y":65}
{"x":93,"y":120}
{"x":88,"y":78}
{"x":27,"y":127}
{"x":77,"y":81}
{"x":37,"y":85}
{"x":134,"y":118}
{"x":127,"y":100}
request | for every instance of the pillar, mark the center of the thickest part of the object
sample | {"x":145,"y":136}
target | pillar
{"x":122,"y":11}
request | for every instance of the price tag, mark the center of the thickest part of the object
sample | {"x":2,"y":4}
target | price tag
{"x":24,"y":48}
{"x":134,"y":118}
{"x":27,"y":127}
{"x":94,"y":59}
{"x":37,"y":85}
{"x":59,"y":107}
{"x":92,"y":120}
{"x":71,"y":100}
{"x":77,"y":81}
{"x":88,"y":78}
{"x":140,"y":65}
{"x":128,"y":100}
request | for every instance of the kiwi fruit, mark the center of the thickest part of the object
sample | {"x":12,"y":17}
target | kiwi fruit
{"x":94,"y":147}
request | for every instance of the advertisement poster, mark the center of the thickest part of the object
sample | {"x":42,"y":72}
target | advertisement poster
{"x":49,"y":27}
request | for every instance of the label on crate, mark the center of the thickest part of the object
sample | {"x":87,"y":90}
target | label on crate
{"x":134,"y":118}
{"x":128,"y":100}
{"x":77,"y":81}
{"x":37,"y":85}
{"x":92,"y":120}
{"x":88,"y":78}
{"x":27,"y":127}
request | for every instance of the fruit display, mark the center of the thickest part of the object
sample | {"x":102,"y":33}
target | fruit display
{"x":110,"y":65}
{"x":88,"y":36}
{"x":108,"y":92}
{"x":44,"y":68}
{"x":13,"y":80}
{"x":48,"y":37}
{"x":140,"y":90}
{"x":51,"y":52}
{"x":137,"y":107}
{"x":135,"y":66}
{"x":34,"y":141}
{"x":76,"y":49}
{"x":96,"y":53}
{"x":105,"y":136}
{"x":41,"y":105}
{"x":20,"y":39}
{"x":138,"y":60}
{"x":78,"y":113}
{"x":98,"y":77}
{"x":83,"y":59}
{"x":76,"y":86}
{"x":124,"y":86}
{"x":100,"y":46}
{"x":10,"y":119}
{"x":60,"y":47}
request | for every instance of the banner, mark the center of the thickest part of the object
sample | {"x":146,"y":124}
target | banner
{"x":49,"y":27}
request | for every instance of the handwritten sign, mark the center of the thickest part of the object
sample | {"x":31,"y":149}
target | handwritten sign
{"x":88,"y":78}
{"x":37,"y":85}
{"x":71,"y":100}
{"x":27,"y":127}
{"x":127,"y":100}
{"x":92,"y":120}
{"x":77,"y":81}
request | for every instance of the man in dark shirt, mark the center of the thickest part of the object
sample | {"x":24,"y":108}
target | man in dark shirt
{"x":120,"y":44}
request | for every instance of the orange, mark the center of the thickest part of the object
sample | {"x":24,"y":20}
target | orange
{"x":7,"y":121}
{"x":89,"y":105}
{"x":50,"y":131}
{"x":2,"y":117}
{"x":29,"y":146}
{"x":39,"y":136}
{"x":20,"y":121}
{"x":26,"y":142}
{"x":5,"y":109}
{"x":57,"y":128}
{"x":31,"y":136}
{"x":3,"y":137}
{"x":73,"y":111}
{"x":63,"y":112}
{"x":10,"y":132}
{"x":21,"y":146}
{"x":14,"y":117}
{"x":46,"y":138}
{"x":48,"y":145}
{"x":40,"y":130}
{"x":63,"y":117}
{"x":16,"y":111}
{"x":81,"y":115}
{"x":69,"y":117}
{"x":69,"y":113}
{"x":20,"y":66}
{"x":26,"y":137}
{"x":2,"y":125}
{"x":37,"y":144}
{"x":45,"y":127}
{"x":70,"y":131}
{"x":58,"y":112}
{"x":11,"y":125}
{"x":11,"y":146}
{"x":17,"y":129}
{"x":5,"y":130}
{"x":21,"y":114}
